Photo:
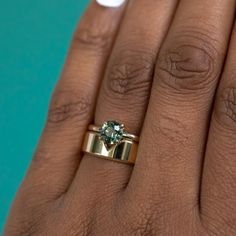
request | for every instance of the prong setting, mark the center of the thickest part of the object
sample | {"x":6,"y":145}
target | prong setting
{"x":111,"y":132}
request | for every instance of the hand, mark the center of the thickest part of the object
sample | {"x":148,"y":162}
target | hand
{"x":184,"y":179}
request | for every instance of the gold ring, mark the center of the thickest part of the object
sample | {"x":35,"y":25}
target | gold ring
{"x":125,"y":135}
{"x":110,"y":141}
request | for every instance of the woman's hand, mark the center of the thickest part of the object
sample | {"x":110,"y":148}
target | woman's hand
{"x":159,"y":64}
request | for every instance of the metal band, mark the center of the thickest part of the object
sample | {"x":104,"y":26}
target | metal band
{"x":125,"y":135}
{"x":125,"y":151}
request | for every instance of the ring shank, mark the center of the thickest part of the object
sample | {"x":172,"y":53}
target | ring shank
{"x":125,"y":151}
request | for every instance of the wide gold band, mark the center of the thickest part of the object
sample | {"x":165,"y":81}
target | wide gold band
{"x":125,"y":151}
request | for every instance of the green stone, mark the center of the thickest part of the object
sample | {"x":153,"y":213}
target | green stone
{"x":111,"y":132}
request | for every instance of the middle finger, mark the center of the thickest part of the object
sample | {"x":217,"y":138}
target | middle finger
{"x":168,"y":168}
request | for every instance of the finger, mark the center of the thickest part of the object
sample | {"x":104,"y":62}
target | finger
{"x":58,"y":154}
{"x":124,"y":93}
{"x":169,"y":162}
{"x":218,"y":194}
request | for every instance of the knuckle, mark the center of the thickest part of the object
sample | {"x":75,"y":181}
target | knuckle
{"x":68,"y":105}
{"x":21,"y":230}
{"x":189,"y":65}
{"x":78,"y":218}
{"x":143,"y":215}
{"x":94,"y":37}
{"x":129,"y":75}
{"x":28,"y":223}
{"x":81,"y":227}
{"x":226,"y":107}
{"x":137,"y":218}
{"x":172,"y":129}
{"x":41,"y":153}
{"x":140,"y":225}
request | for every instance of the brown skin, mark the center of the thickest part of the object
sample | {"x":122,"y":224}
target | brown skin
{"x":184,"y":180}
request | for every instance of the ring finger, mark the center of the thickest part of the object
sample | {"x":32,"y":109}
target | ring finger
{"x":124,"y":93}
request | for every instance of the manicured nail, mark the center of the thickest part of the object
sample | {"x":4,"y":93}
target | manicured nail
{"x":110,"y":3}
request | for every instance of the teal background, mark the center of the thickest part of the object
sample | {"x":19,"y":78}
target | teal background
{"x":34,"y":38}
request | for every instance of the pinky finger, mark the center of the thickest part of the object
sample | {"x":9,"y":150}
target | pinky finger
{"x":58,"y":154}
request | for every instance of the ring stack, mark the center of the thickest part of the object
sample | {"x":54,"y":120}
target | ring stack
{"x":111,"y":142}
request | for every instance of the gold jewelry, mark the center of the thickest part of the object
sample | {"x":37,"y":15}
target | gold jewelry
{"x":125,"y":135}
{"x":110,"y":141}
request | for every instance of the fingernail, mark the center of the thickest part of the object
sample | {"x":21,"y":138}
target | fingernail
{"x":110,"y":3}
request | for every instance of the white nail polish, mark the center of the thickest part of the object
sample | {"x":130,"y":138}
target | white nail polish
{"x":110,"y":3}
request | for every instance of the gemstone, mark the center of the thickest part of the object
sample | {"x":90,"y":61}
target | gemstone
{"x":111,"y":132}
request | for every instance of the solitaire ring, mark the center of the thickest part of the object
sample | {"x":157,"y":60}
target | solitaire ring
{"x":111,"y":141}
